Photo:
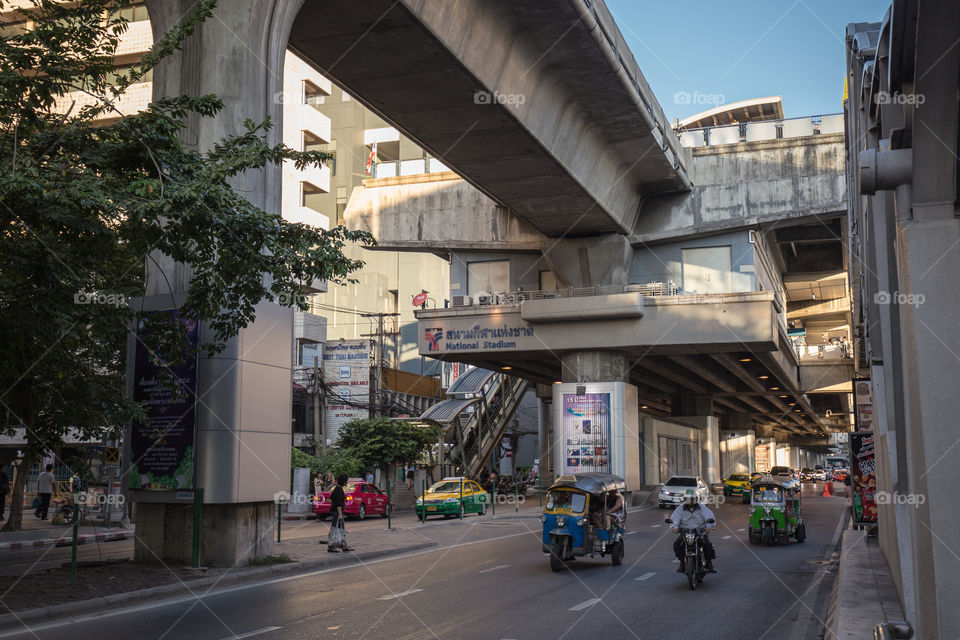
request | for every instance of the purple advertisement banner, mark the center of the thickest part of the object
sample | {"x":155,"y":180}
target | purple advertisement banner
{"x":162,"y":449}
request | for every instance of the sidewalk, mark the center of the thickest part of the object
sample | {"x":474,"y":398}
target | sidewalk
{"x":42,"y":533}
{"x":864,"y":594}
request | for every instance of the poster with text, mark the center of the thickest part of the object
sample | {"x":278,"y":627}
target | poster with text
{"x":162,"y":448}
{"x":586,"y":432}
{"x":346,"y":376}
{"x":863,"y":399}
{"x":863,"y":478}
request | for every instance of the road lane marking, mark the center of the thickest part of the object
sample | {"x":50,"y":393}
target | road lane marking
{"x":646,"y":576}
{"x":255,"y":632}
{"x":656,"y":525}
{"x":630,"y":533}
{"x":676,"y":561}
{"x":585,"y":604}
{"x":399,"y":595}
{"x":501,"y":566}
{"x":741,"y":530}
{"x":726,"y":537}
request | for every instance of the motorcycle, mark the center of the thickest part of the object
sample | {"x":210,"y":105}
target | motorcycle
{"x":694,"y":560}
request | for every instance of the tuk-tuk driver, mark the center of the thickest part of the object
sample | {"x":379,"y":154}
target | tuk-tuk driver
{"x":693,"y":515}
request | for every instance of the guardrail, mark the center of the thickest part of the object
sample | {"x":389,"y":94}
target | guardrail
{"x":763,"y":130}
{"x":650,"y":289}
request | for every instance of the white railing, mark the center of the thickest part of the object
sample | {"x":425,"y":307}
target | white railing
{"x":764,"y":130}
{"x":650,"y":289}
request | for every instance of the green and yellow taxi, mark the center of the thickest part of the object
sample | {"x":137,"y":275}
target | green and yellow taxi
{"x":453,"y":496}
{"x":735,"y":484}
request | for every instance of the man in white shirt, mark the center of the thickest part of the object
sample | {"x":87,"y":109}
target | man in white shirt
{"x":45,"y":482}
{"x":693,"y":515}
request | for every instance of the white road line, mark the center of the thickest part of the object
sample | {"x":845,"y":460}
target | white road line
{"x":741,"y":530}
{"x":646,"y":576}
{"x":726,"y":537}
{"x":675,"y":561}
{"x":584,"y":605}
{"x":630,"y":533}
{"x":656,"y":525}
{"x":399,"y":595}
{"x":501,"y":566}
{"x":250,"y":634}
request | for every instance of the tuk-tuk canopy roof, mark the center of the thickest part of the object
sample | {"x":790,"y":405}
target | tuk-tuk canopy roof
{"x":590,"y":482}
{"x":777,"y":481}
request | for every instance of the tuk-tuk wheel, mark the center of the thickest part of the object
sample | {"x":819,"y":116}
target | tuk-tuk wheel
{"x":616,"y":554}
{"x":556,"y":555}
{"x":801,"y":533}
{"x":768,"y":536}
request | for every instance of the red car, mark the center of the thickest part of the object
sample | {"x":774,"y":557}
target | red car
{"x":363,"y":499}
{"x":840,"y":475}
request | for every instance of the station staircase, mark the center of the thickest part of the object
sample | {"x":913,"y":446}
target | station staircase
{"x":479,"y":407}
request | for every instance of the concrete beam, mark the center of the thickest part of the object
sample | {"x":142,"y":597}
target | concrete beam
{"x":750,"y":184}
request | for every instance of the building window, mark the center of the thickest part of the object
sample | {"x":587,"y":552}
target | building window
{"x":134,"y":13}
{"x":311,"y":94}
{"x":308,"y":351}
{"x":488,"y":277}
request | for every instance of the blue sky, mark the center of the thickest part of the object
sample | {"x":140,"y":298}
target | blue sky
{"x":718,"y":52}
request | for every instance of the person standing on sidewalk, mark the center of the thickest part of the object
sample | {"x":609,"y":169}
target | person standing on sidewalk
{"x":337,"y":538}
{"x":45,"y":482}
{"x":4,"y":490}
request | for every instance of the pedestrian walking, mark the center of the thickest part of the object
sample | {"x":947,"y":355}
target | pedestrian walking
{"x":45,"y":481}
{"x":4,"y":490}
{"x":337,"y":537}
{"x":410,"y":471}
{"x":369,"y":477}
{"x":328,"y":481}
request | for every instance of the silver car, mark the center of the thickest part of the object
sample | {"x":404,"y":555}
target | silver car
{"x":672,"y":491}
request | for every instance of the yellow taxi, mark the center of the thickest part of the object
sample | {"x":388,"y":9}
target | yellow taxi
{"x":735,"y":484}
{"x":453,"y":496}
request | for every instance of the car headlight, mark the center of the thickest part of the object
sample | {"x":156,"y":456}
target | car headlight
{"x":542,"y":518}
{"x":419,"y":500}
{"x":766,"y":511}
{"x":451,"y":499}
{"x":561,"y":522}
{"x":581,"y":521}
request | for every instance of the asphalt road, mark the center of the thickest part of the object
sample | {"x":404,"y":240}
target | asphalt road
{"x":489,"y":579}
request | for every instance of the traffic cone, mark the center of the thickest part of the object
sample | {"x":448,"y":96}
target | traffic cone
{"x":827,"y":489}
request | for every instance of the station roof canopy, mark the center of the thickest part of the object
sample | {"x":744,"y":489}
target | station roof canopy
{"x":754,"y":110}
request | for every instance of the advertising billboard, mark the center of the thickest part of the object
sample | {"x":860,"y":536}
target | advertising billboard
{"x":586,"y":432}
{"x":863,"y":478}
{"x":162,"y":448}
{"x":346,"y":376}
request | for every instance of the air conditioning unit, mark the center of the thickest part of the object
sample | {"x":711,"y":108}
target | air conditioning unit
{"x":462,"y":301}
{"x":484,"y":298}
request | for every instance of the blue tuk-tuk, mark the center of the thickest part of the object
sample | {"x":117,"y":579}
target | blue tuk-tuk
{"x":584,"y":515}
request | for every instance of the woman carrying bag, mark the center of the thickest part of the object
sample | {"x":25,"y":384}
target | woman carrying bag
{"x":337,"y":538}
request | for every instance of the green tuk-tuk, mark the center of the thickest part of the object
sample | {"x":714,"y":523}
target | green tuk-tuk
{"x":775,"y":511}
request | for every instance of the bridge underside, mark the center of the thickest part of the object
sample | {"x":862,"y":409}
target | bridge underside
{"x":537,"y":117}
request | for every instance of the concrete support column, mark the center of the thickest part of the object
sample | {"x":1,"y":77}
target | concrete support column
{"x":244,"y":420}
{"x":595,"y":366}
{"x":543,"y":434}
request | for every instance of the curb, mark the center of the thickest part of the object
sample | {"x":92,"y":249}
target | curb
{"x":66,"y":541}
{"x":194,"y":587}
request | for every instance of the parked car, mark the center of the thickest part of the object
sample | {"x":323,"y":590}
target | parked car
{"x":821,"y":474}
{"x":782,"y":471}
{"x":447,"y":499}
{"x":807,"y":475}
{"x":671,"y":491}
{"x":841,"y":475}
{"x":363,"y":499}
{"x":735,"y":483}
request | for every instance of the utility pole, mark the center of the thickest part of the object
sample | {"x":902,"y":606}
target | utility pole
{"x":376,"y":386}
{"x":319,"y":432}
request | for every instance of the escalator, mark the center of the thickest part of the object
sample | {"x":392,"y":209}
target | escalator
{"x":475,"y":415}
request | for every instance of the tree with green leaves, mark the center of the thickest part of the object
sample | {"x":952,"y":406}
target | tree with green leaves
{"x":88,"y":195}
{"x":382,"y":442}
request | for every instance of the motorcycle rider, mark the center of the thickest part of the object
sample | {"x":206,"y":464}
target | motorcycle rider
{"x":693,"y":515}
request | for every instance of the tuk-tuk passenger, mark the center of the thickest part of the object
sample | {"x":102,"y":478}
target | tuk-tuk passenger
{"x":693,"y":515}
{"x":614,"y":507}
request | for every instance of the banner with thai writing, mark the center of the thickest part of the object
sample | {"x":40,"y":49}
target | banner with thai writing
{"x":863,"y":477}
{"x":162,"y":448}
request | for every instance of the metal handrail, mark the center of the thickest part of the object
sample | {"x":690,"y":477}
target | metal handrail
{"x":815,"y":118}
